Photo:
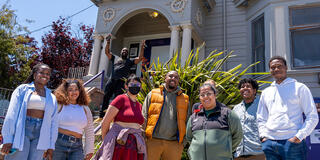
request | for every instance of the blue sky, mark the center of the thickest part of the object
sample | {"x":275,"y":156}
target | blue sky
{"x":44,"y":12}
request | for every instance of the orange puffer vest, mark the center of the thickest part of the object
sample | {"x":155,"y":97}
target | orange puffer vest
{"x":155,"y":108}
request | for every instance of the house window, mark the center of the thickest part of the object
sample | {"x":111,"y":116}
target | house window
{"x":258,"y":44}
{"x":305,"y":36}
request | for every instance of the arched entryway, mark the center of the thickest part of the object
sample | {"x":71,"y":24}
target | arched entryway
{"x":151,"y":26}
{"x":161,"y":33}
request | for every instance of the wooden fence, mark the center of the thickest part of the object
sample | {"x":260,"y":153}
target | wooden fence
{"x":78,"y":72}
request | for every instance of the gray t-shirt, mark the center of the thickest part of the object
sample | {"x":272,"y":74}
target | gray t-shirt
{"x":167,"y":127}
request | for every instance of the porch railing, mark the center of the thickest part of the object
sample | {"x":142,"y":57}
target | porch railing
{"x":94,"y":77}
{"x":5,"y":95}
{"x":102,"y":80}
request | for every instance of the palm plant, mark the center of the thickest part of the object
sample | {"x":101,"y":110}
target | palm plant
{"x":194,"y":72}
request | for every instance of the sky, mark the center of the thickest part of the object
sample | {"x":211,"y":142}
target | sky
{"x":44,"y":12}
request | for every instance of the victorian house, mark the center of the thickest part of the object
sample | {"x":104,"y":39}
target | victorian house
{"x":254,"y":29}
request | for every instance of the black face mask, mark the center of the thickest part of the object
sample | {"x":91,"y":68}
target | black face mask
{"x":134,"y":90}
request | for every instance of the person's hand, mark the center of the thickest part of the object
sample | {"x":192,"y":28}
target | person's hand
{"x":263,"y":139}
{"x":88,"y":156}
{"x":6,"y":148}
{"x":48,"y":154}
{"x":108,"y":38}
{"x":143,"y":44}
{"x":294,"y":140}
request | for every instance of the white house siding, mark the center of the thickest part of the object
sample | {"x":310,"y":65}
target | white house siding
{"x":276,"y":13}
{"x":238,"y":28}
{"x":236,"y":32}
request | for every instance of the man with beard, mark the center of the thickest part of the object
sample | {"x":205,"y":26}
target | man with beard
{"x":120,"y":71}
{"x":282,"y":128}
{"x":166,"y":111}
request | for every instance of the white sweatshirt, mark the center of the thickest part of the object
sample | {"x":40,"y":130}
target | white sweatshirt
{"x":281,"y":108}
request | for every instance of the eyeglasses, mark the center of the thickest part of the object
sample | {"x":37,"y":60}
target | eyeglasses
{"x":134,"y":84}
{"x":208,"y":94}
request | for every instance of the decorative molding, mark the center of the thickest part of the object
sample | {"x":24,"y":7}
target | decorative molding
{"x":98,"y":36}
{"x":175,"y":27}
{"x":199,"y":18}
{"x":109,"y":14}
{"x":178,"y":6}
{"x":187,"y":26}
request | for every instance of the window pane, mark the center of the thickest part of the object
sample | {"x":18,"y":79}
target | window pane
{"x":306,"y":47}
{"x":258,"y":28}
{"x":303,"y":16}
{"x":258,"y":43}
{"x":259,"y":52}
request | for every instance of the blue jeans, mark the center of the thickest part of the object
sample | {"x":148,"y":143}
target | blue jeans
{"x":32,"y":134}
{"x":68,"y":148}
{"x":284,"y":150}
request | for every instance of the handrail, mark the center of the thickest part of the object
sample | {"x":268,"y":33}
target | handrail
{"x":94,"y":77}
{"x":97,"y":129}
{"x":90,"y":80}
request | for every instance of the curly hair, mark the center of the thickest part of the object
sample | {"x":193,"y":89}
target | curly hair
{"x":251,"y":81}
{"x":62,"y":92}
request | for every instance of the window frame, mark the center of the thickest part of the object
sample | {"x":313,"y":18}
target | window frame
{"x":294,"y":28}
{"x":254,"y":48}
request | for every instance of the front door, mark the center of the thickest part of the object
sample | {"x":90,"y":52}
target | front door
{"x":155,"y":48}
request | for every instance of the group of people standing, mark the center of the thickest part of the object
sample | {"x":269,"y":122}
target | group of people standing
{"x":269,"y":127}
{"x":41,"y":124}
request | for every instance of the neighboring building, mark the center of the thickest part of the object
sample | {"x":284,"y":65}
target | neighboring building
{"x":254,"y":29}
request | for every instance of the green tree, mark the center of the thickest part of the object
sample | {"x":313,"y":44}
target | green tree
{"x":62,"y":50}
{"x":16,"y":51}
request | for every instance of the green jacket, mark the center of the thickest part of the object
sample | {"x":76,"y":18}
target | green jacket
{"x":214,"y":137}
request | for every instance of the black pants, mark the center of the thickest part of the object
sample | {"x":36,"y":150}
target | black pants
{"x":113,"y":87}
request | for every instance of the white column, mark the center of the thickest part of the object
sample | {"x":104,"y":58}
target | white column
{"x":186,"y":42}
{"x":282,"y":45}
{"x":104,"y":61}
{"x":174,"y":41}
{"x":94,"y":61}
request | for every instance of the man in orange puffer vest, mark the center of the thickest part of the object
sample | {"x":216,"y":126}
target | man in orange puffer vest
{"x":166,"y":110}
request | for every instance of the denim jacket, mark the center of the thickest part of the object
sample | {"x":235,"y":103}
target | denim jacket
{"x":250,"y":144}
{"x":13,"y":129}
